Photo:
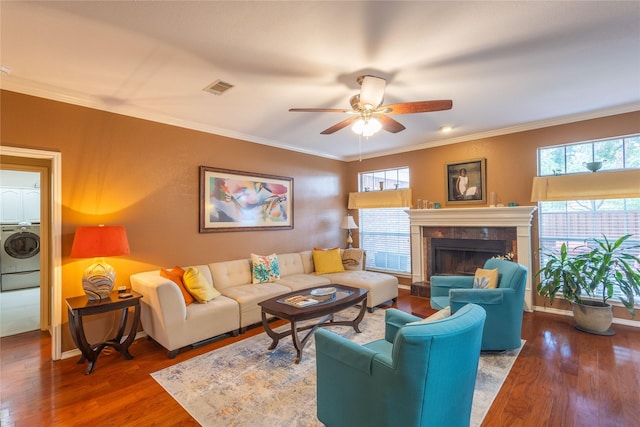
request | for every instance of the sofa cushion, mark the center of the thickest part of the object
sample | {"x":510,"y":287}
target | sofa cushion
{"x":248,"y":296}
{"x":290,"y":264}
{"x":296,"y":282}
{"x":327,"y":261}
{"x":307,"y":261}
{"x":381,"y":286}
{"x":264,"y":268}
{"x":227,"y":274}
{"x":175,"y":275}
{"x":485,"y":279}
{"x":198,"y":286}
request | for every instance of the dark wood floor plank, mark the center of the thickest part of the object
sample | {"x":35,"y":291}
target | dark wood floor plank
{"x":563,"y":377}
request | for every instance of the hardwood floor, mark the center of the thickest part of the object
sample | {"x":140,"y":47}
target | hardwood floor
{"x":562,"y":377}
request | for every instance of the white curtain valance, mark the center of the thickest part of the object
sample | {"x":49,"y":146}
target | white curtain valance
{"x":380,"y":199}
{"x":617,"y":184}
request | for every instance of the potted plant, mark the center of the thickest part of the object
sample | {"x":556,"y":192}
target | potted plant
{"x":593,"y":273}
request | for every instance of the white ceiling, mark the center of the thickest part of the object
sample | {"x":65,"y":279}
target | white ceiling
{"x":507,"y":66}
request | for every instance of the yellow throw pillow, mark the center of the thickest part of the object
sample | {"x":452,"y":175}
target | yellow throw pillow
{"x":327,"y":261}
{"x":438,"y":315}
{"x":485,"y":279}
{"x":199,"y":286}
{"x":175,"y":275}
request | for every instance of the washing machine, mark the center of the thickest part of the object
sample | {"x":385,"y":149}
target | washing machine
{"x":19,"y":256}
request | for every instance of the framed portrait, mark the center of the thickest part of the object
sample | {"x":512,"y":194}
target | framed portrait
{"x":466,"y":182}
{"x":242,"y":201}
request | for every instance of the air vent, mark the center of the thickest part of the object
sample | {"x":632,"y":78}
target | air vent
{"x":218,"y":87}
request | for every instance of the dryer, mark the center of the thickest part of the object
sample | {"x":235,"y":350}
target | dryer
{"x":19,"y":256}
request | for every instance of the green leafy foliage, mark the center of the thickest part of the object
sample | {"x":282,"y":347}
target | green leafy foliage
{"x":594,"y":273}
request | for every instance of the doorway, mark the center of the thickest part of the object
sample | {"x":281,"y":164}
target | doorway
{"x":48,"y":166}
{"x":21,"y":299}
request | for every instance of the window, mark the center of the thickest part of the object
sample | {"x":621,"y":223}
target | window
{"x":385,"y":232}
{"x":572,"y":222}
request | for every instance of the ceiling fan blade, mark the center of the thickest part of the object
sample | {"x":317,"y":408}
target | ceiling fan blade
{"x":343,"y":124}
{"x":417,"y":107}
{"x":318,"y":110}
{"x":389,"y":124}
{"x":372,"y":91}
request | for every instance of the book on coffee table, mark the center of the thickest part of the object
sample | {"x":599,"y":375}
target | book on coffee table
{"x":301,"y":301}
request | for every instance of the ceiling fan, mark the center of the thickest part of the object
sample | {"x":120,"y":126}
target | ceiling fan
{"x":368,"y":113}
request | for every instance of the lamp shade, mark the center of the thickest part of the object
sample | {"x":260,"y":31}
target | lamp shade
{"x":348,"y":223}
{"x":372,"y":92}
{"x":100,"y":241}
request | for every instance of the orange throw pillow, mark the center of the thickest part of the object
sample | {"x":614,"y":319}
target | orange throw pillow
{"x":175,"y":275}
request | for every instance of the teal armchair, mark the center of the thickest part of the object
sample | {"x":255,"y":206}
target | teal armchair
{"x":418,"y":375}
{"x":504,"y":305}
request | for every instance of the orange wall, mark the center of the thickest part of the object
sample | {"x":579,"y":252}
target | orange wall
{"x":511,"y":159}
{"x":144,"y":175}
{"x":511,"y":165}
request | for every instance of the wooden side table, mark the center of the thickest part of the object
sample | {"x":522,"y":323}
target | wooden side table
{"x":83,"y":306}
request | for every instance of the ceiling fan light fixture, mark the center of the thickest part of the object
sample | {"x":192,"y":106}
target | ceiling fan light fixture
{"x":366,"y":127}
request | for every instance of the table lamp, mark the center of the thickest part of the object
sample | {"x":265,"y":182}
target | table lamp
{"x":98,"y":242}
{"x":348,"y":224}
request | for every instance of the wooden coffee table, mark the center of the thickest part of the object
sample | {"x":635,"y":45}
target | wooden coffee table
{"x":345,"y":297}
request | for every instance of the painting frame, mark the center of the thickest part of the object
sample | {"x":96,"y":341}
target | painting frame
{"x":232,"y":200}
{"x":474,"y":187}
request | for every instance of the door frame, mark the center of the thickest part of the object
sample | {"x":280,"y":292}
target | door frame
{"x":50,"y":237}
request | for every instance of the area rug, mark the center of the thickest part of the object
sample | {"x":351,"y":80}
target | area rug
{"x":246,"y":385}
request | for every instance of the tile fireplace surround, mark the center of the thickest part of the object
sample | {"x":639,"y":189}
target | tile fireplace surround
{"x":423,"y":221}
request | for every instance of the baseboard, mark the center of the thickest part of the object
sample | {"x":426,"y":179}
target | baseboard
{"x":618,"y":321}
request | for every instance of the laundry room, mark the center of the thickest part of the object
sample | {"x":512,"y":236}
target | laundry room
{"x":19,"y":251}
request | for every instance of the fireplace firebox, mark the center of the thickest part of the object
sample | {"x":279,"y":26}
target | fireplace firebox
{"x":461,"y":257}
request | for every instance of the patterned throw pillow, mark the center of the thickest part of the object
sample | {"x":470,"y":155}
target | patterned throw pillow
{"x":485,"y":279}
{"x":353,"y":259}
{"x":265,"y":268}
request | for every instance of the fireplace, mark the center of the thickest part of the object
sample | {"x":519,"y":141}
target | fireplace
{"x":460,"y":250}
{"x":481,"y":233}
{"x":461,"y":257}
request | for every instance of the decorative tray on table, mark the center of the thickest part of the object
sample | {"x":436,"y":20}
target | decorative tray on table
{"x":321,"y":292}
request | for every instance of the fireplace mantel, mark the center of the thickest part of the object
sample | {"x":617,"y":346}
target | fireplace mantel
{"x":516,"y":216}
{"x":519,"y":217}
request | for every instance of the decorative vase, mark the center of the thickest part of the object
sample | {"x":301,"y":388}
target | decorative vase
{"x":98,"y":280}
{"x":593,"y":317}
{"x":593,"y":166}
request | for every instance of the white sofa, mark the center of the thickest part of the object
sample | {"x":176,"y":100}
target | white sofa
{"x":168,"y":320}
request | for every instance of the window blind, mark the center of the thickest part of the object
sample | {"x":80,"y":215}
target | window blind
{"x":587,"y":186}
{"x":380,"y":199}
